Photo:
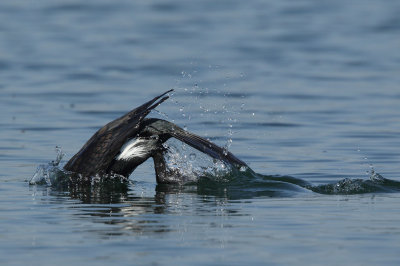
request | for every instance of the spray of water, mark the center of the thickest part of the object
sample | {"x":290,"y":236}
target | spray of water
{"x":48,"y":174}
{"x":191,"y":165}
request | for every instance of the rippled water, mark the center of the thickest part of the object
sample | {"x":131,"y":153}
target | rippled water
{"x":299,"y":90}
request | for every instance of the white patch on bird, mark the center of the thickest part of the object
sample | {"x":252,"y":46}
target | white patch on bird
{"x":140,"y":147}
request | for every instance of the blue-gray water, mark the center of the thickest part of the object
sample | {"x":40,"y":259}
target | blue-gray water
{"x":307,"y":89}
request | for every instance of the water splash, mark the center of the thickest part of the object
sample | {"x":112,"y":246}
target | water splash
{"x":213,"y":177}
{"x":190,"y":165}
{"x":48,"y":174}
{"x":53,"y":175}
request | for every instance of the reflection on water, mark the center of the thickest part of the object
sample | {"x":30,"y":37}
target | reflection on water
{"x":129,"y":212}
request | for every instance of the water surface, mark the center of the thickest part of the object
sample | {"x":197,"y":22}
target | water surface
{"x":303,"y":89}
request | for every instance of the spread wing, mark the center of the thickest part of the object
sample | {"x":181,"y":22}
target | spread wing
{"x":99,"y":151}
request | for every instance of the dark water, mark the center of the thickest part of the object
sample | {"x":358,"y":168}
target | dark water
{"x":297,"y":89}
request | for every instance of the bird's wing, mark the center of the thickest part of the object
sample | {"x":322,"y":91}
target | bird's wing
{"x":168,"y":129}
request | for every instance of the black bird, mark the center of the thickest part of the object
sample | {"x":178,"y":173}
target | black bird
{"x":123,"y":144}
